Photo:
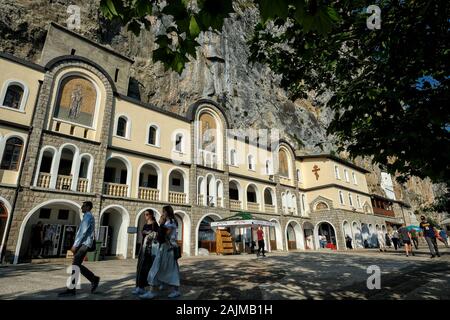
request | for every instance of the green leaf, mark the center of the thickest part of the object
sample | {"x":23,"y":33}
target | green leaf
{"x":144,"y":8}
{"x":194,"y":29}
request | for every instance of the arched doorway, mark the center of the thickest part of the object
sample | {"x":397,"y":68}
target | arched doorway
{"x":55,"y":223}
{"x":206,"y":236}
{"x":294,"y":236}
{"x":365,"y":234}
{"x":347,"y":232}
{"x":308,"y":230}
{"x":184,"y":231}
{"x":357,"y":238}
{"x":140,"y":222}
{"x":114,"y":222}
{"x":275,"y":236}
{"x":327,"y":230}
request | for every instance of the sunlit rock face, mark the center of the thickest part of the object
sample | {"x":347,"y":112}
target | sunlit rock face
{"x":249,"y":93}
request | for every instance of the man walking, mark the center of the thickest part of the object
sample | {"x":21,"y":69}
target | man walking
{"x":394,"y":237}
{"x":430,"y":236}
{"x":260,"y":235}
{"x":405,"y":236}
{"x":84,"y":242}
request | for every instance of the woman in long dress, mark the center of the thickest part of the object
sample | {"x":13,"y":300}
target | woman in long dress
{"x":165,"y":269}
{"x":145,"y":259}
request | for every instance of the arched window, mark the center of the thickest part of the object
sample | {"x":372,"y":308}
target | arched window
{"x":354,"y":178}
{"x":251,"y":162}
{"x":336,"y":172}
{"x":284,"y":163}
{"x":268,"y":167}
{"x":233,"y":157}
{"x":121,"y":130}
{"x":299,"y":175}
{"x":153,"y":135}
{"x":13,"y":96}
{"x":303,"y":203}
{"x":341,"y":197}
{"x":12,"y":153}
{"x":350,"y":199}
{"x":346,"y":175}
{"x":179,"y":142}
{"x":358,"y":201}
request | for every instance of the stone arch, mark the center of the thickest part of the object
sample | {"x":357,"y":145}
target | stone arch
{"x":158,"y":170}
{"x":298,"y":242}
{"x":330,"y":237}
{"x":326,"y":204}
{"x":357,"y":236}
{"x":277,"y":234}
{"x":347,"y":230}
{"x":128,"y":165}
{"x":120,"y":235}
{"x":4,"y":205}
{"x":197,"y":228}
{"x":186,"y":231}
{"x":26,"y":219}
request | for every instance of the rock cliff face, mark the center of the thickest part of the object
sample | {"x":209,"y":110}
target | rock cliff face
{"x":249,"y":93}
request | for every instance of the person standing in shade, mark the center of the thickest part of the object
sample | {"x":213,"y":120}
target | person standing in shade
{"x":260,"y":235}
{"x":430,"y":236}
{"x":145,"y":260}
{"x":395,"y":237}
{"x":84,"y":242}
{"x":405,"y":236}
{"x":348,"y":242}
{"x":165,"y":269}
{"x":37,"y":237}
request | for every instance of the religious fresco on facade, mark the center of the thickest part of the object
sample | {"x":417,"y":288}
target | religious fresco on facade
{"x":283,"y":163}
{"x":208,"y":132}
{"x":76,"y":101}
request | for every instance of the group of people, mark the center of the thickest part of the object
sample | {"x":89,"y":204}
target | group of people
{"x":410,"y":237}
{"x":158,"y":256}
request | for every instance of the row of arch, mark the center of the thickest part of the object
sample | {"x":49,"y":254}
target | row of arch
{"x":252,"y":194}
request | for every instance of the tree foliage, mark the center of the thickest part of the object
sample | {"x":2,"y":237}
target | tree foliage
{"x":389,"y":87}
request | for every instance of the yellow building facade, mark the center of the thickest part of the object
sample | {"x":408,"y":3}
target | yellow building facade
{"x":69,"y":133}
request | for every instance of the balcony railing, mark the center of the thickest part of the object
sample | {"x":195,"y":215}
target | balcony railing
{"x":148,"y":194}
{"x":200,"y":199}
{"x":115,"y":189}
{"x":383,"y":212}
{"x":63,"y":182}
{"x":235,"y":204}
{"x":44,"y":180}
{"x":82,"y":185}
{"x":177,"y":197}
{"x":269,"y":208}
{"x":253,"y":206}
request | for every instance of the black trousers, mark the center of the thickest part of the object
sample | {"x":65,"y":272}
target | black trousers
{"x":78,"y":261}
{"x":395,"y":242}
{"x":144,"y":265}
{"x":416,"y":243}
{"x":261,"y":247}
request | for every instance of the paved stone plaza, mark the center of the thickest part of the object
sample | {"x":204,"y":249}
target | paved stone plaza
{"x":294,"y":275}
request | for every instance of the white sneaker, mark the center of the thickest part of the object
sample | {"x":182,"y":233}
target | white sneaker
{"x":138,"y":291}
{"x":174,"y":294}
{"x":148,"y":295}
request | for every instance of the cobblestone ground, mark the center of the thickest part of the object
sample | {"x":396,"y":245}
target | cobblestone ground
{"x":294,"y":275}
